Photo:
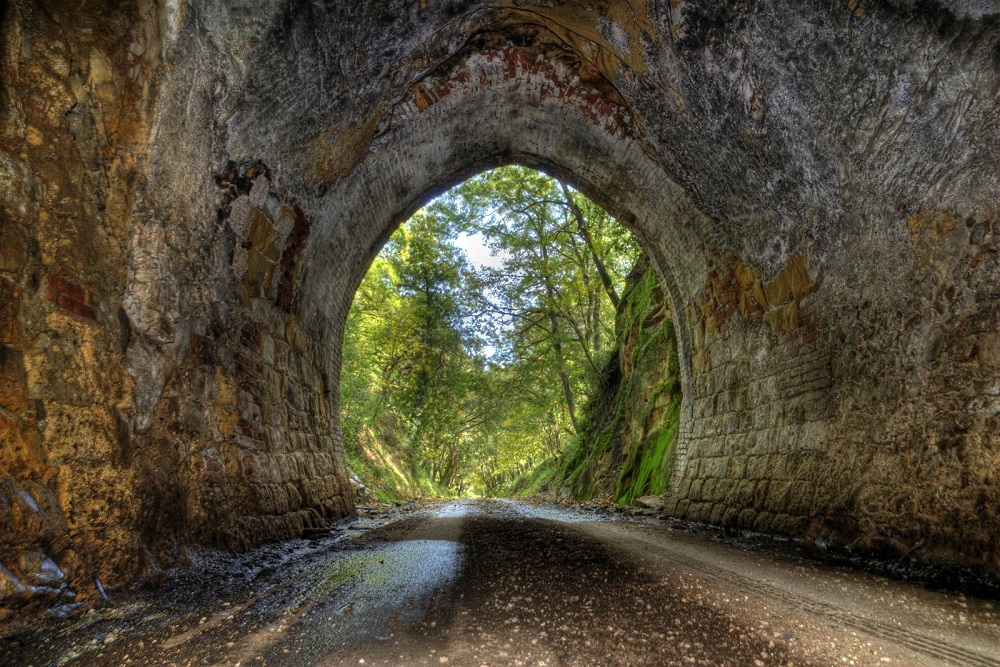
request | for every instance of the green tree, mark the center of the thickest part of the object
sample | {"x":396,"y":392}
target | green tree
{"x":477,"y":372}
{"x":557,"y":289}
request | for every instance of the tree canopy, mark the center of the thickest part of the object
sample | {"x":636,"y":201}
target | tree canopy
{"x":475,"y":371}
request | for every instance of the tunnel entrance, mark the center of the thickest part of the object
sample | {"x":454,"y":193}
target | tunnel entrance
{"x":818,"y":206}
{"x":510,"y":338}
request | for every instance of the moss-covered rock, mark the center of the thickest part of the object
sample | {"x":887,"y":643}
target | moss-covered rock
{"x":628,"y":434}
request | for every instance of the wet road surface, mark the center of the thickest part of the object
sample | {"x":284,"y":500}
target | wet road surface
{"x":507,"y":583}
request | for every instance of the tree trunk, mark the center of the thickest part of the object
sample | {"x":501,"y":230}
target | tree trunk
{"x":557,"y":348}
{"x":609,"y":285}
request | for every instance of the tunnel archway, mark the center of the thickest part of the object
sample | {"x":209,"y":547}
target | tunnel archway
{"x":575,"y":134}
{"x":765,"y":430}
{"x":817,"y":189}
{"x":503,"y":332}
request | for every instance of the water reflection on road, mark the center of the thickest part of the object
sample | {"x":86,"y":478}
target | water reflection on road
{"x":510,"y":583}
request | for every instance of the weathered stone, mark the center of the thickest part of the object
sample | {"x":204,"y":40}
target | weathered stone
{"x":37,"y":569}
{"x":650,"y":502}
{"x":824,"y":221}
{"x":11,"y":587}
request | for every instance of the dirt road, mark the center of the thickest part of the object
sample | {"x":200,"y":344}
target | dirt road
{"x":507,"y":583}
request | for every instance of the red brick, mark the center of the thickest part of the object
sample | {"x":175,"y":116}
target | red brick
{"x":285,"y":295}
{"x":212,"y":470}
{"x":250,"y":429}
{"x":250,"y":335}
{"x":72,"y":290}
{"x":76,"y":308}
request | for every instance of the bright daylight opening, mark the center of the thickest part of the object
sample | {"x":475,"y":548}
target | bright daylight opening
{"x":510,"y":339}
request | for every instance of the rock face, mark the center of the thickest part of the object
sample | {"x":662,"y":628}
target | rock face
{"x":190,"y":193}
{"x":627,"y":444}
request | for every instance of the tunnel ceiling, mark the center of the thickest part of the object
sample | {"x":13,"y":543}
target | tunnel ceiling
{"x":192,"y":191}
{"x":782,"y":124}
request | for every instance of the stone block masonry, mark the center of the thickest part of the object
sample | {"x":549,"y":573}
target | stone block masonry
{"x":132,"y":408}
{"x":275,"y":470}
{"x":776,"y":442}
{"x":72,"y":117}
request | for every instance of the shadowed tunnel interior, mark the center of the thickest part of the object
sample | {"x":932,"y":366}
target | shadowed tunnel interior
{"x":191,"y":193}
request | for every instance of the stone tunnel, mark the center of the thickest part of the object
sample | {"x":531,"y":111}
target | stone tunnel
{"x":192,"y":190}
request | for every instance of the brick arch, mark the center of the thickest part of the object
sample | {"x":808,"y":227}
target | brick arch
{"x":495,"y":108}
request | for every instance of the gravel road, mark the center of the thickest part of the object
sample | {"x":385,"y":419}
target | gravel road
{"x":509,"y":583}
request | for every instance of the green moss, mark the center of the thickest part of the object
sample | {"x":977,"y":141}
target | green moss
{"x":601,"y":426}
{"x":381,"y":464}
{"x":543,"y":478}
{"x":627,"y":440}
{"x":647,"y":470}
{"x":625,"y":448}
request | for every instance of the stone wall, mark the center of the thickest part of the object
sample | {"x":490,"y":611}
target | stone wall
{"x":865,"y":419}
{"x":627,"y":441}
{"x":808,"y":409}
{"x":760,"y":401}
{"x":191,"y":192}
{"x":232,"y":411}
{"x":156,"y":388}
{"x":74,"y":112}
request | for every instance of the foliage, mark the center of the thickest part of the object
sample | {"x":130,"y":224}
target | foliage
{"x":628,"y":432}
{"x":464,"y":377}
{"x":410,"y":364}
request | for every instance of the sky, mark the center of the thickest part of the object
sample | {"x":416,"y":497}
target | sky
{"x":475,"y":249}
{"x":480,"y":256}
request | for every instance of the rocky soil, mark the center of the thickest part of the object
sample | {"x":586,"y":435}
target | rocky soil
{"x":511,"y":583}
